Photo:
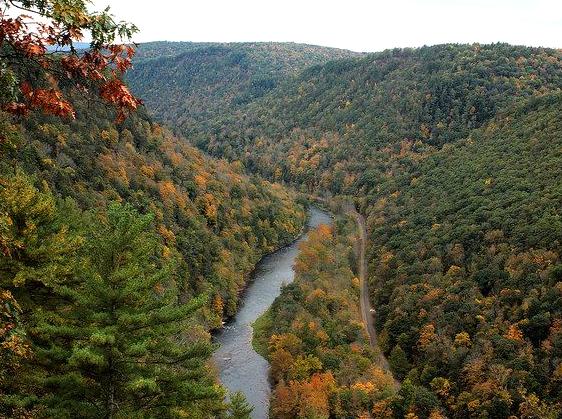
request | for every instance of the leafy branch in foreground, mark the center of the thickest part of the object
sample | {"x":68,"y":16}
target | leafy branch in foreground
{"x":38,"y":57}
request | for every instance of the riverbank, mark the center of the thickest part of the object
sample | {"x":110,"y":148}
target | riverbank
{"x":240,"y":367}
{"x":368,"y":313}
{"x":322,"y":361}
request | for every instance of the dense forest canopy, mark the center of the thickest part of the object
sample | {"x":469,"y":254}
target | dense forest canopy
{"x":453,"y":153}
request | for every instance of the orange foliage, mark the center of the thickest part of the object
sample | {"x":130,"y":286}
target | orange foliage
{"x":427,"y":335}
{"x":304,"y":398}
{"x":218,"y":304}
{"x":281,"y":361}
{"x":201,"y":181}
{"x":382,"y":410}
{"x":514,"y":333}
{"x":171,"y":195}
{"x":100,"y":67}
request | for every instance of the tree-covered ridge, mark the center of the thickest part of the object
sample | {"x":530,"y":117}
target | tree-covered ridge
{"x":184,"y":84}
{"x":466,"y":247}
{"x":437,"y":94}
{"x":321,"y":362}
{"x":332,"y":126}
{"x":288,"y":56}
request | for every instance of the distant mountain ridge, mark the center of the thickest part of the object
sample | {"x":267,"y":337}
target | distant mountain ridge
{"x":184,"y":83}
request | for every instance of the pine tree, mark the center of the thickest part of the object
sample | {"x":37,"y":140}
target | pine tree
{"x":239,"y":408}
{"x":36,"y":250}
{"x":34,"y":244}
{"x":399,"y":361}
{"x":126,"y":353}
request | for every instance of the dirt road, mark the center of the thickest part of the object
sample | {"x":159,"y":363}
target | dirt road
{"x":366,"y":310}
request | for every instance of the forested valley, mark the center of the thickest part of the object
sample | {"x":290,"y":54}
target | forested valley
{"x":453,"y":154}
{"x":129,"y":231}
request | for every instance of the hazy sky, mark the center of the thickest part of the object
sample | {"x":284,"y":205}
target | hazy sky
{"x":359,"y":25}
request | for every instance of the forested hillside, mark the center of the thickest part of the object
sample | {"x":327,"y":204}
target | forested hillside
{"x":453,"y":153}
{"x":185,"y":84}
{"x":121,"y":246}
{"x":61,"y":182}
{"x":465,"y":263}
{"x":220,"y":220}
{"x":336,"y":124}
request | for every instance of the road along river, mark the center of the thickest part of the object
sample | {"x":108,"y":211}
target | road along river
{"x":240,"y":367}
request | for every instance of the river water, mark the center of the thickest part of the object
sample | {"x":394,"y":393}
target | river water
{"x":240,"y":367}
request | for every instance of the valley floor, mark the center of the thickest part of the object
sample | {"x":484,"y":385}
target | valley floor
{"x":367,"y":311}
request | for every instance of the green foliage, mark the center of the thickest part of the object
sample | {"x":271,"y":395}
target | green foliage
{"x":239,"y":407}
{"x":260,"y":337}
{"x":126,"y":349}
{"x":399,"y":362}
{"x":220,"y":220}
{"x":334,"y":125}
{"x":212,"y":78}
{"x":466,"y":245}
{"x":452,"y":152}
{"x":34,"y":245}
{"x":99,"y":302}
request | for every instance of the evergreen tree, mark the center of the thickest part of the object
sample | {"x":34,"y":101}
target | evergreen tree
{"x":239,"y":408}
{"x":34,"y":244}
{"x":36,"y":251}
{"x":126,"y":353}
{"x":399,"y":362}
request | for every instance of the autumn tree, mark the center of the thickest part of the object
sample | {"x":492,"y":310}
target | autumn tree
{"x":39,"y":59}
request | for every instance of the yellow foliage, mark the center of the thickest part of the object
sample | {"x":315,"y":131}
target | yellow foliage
{"x":218,"y":304}
{"x":317,"y":293}
{"x":166,"y":252}
{"x":462,"y":339}
{"x":436,"y":414}
{"x":432,"y":294}
{"x":514,"y":333}
{"x":147,"y":171}
{"x":427,"y":335}
{"x":366,"y":387}
{"x":167,"y":234}
{"x":382,"y":410}
{"x":200,"y":181}
{"x":454,"y":270}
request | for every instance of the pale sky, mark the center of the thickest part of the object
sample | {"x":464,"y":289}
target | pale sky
{"x":359,"y":25}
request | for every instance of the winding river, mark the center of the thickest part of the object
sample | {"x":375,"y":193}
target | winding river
{"x":240,"y":367}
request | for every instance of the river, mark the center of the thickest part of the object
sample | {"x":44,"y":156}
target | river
{"x":240,"y":367}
